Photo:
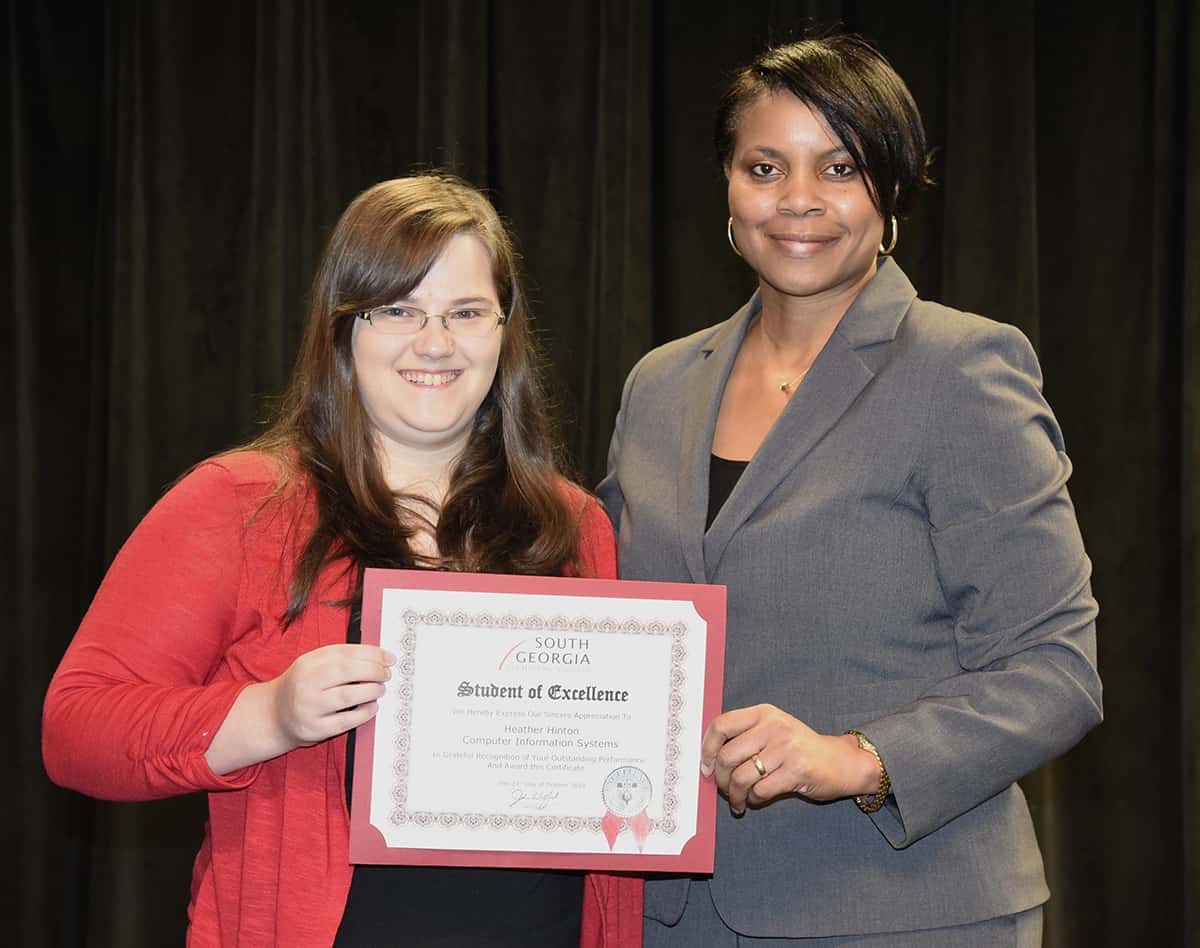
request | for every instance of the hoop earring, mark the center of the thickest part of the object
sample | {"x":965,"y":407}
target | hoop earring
{"x":887,"y":251}
{"x":729,"y":234}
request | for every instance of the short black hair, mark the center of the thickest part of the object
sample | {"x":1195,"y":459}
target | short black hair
{"x":858,"y":93}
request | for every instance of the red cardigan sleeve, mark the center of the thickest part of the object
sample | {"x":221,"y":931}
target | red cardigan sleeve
{"x":133,"y":706}
{"x":597,"y":544}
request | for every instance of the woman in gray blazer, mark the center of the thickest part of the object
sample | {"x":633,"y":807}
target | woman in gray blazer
{"x":880,"y":484}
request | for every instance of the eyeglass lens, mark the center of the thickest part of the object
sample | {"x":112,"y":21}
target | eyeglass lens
{"x":400,"y":320}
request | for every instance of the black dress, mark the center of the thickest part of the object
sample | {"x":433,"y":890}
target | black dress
{"x":723,"y":475}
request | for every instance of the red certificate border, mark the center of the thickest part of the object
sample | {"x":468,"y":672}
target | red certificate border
{"x":367,"y":844}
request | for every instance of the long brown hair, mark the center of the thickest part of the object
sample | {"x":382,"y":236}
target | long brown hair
{"x":505,"y":510}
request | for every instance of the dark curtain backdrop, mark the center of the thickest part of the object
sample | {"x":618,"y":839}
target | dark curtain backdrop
{"x":171,"y":169}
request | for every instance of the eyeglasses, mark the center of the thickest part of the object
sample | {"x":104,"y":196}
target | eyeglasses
{"x":408,"y":320}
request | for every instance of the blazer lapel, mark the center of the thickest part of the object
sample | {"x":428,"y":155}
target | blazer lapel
{"x":703,"y":384}
{"x":832,"y":385}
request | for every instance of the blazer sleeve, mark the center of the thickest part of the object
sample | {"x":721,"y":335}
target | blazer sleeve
{"x":132,"y":708}
{"x":1015,"y":577}
{"x":609,"y":489}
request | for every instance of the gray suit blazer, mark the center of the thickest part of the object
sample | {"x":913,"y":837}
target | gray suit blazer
{"x":901,"y":558}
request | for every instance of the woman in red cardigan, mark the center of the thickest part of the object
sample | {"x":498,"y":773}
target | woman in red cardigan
{"x":221,"y":652}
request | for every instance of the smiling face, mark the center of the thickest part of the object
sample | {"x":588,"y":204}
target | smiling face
{"x":802,"y":215}
{"x":421,"y":392}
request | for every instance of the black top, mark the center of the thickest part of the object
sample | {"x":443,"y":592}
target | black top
{"x":437,"y":907}
{"x":723,"y":474}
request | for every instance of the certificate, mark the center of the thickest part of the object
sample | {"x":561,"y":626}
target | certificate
{"x":541,"y":722}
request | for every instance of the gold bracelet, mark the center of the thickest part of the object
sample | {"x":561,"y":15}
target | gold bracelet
{"x":872,"y":802}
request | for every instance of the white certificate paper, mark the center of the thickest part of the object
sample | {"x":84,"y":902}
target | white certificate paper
{"x":539,"y":722}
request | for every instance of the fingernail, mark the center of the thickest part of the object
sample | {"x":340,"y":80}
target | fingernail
{"x":705,"y":769}
{"x":738,"y":813}
{"x":389,"y":658}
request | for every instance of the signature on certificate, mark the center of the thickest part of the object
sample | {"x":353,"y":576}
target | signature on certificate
{"x":532,"y":799}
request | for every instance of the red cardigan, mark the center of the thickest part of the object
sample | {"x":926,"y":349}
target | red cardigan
{"x":188,"y":616}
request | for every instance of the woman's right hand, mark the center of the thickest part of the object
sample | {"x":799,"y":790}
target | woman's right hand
{"x":323,"y":693}
{"x":328,"y":691}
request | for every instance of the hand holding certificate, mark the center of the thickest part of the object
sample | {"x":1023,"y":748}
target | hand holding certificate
{"x":539,"y":722}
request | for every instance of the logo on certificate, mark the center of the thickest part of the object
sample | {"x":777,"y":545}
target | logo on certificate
{"x":626,"y":791}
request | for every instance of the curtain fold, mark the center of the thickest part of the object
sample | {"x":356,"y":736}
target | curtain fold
{"x":989,"y":164}
{"x":1187,"y":213}
{"x":49,"y":182}
{"x":573,"y":121}
{"x":453,"y":94}
{"x":287,"y":196}
{"x":172,"y":170}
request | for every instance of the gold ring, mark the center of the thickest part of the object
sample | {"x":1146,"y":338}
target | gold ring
{"x":758,"y":765}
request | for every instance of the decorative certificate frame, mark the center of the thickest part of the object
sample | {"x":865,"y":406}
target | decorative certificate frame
{"x":578,"y":748}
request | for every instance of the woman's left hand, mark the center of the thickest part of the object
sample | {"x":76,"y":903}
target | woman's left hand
{"x":795,"y":759}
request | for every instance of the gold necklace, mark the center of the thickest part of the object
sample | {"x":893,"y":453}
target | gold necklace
{"x":788,"y":387}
